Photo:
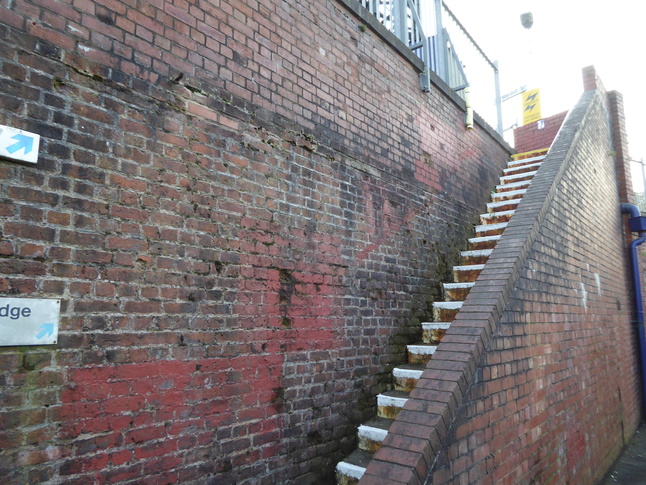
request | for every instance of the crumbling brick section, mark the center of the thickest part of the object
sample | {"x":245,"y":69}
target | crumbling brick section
{"x":536,"y":380}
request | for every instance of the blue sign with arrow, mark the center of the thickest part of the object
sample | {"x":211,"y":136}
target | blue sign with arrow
{"x":24,"y":142}
{"x":47,"y":329}
{"x":19,"y":145}
{"x":29,"y":321}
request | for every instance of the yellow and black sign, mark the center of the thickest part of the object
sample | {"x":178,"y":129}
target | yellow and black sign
{"x":531,"y":106}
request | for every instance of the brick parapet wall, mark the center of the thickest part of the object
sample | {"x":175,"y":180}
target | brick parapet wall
{"x":620,"y":144}
{"x":539,"y":134}
{"x":236,"y":206}
{"x":543,"y":398}
{"x":519,"y":390}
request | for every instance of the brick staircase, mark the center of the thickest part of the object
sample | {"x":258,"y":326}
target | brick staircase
{"x":513,"y":185}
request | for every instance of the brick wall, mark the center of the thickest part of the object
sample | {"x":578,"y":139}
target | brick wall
{"x":245,"y":208}
{"x":539,"y":134}
{"x":556,"y":395}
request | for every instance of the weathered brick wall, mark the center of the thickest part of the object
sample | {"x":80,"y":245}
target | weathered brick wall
{"x":245,"y":208}
{"x":539,"y":134}
{"x":557,"y":394}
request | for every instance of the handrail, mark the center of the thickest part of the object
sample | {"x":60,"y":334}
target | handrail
{"x":485,"y":90}
{"x":404,"y":19}
{"x":471,"y":39}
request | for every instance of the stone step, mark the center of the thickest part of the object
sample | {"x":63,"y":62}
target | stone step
{"x":475,"y":256}
{"x":521,"y":168}
{"x":523,"y":184}
{"x":420,"y":353}
{"x":456,"y":291}
{"x":524,"y":161}
{"x":445,"y":311}
{"x":496,"y":217}
{"x":432,"y":332}
{"x":485,"y":230}
{"x":513,"y":186}
{"x":509,"y":195}
{"x":470,"y":272}
{"x":350,"y":470}
{"x":483,"y":242}
{"x":372,"y":434}
{"x":502,"y":205}
{"x":509,"y":179}
{"x":390,"y":403}
{"x":406,"y":376}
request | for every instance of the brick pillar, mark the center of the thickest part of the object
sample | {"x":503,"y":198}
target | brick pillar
{"x":590,"y":78}
{"x":620,"y":144}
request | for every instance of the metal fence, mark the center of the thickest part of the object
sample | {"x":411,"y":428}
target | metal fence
{"x":404,"y":19}
{"x":451,"y":52}
{"x":638,"y":170}
{"x":464,"y":62}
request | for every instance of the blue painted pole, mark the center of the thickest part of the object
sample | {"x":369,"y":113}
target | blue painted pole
{"x":637,"y":297}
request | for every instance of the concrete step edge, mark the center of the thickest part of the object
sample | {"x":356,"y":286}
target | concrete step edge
{"x":474,"y":253}
{"x":510,"y":169}
{"x":391,"y":401}
{"x":490,"y":227}
{"x":456,"y":286}
{"x":468,"y":267}
{"x":476,"y":240}
{"x":493,"y":215}
{"x":512,"y":185}
{"x":448,"y":305}
{"x":422,"y":349}
{"x":525,"y":160}
{"x":436,"y":325}
{"x":519,"y":192}
{"x":502,"y":203}
{"x":372,"y":433}
{"x":407,"y":373}
{"x":350,"y":470}
{"x":506,"y":178}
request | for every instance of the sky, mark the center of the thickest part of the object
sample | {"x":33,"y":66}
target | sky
{"x":567,"y":36}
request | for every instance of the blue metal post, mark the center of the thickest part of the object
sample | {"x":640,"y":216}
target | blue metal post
{"x":637,"y":297}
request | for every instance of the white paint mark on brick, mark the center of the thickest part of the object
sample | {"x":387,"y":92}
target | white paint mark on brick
{"x":597,"y":278}
{"x":584,"y":296}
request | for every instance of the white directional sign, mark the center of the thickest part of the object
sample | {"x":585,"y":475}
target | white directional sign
{"x":29,"y":321}
{"x":515,"y":92}
{"x":18,"y":144}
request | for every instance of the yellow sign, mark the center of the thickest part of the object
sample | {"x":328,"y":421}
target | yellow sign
{"x":531,"y":106}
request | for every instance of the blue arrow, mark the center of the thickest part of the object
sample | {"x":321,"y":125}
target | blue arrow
{"x":24,"y":141}
{"x":47,"y":330}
